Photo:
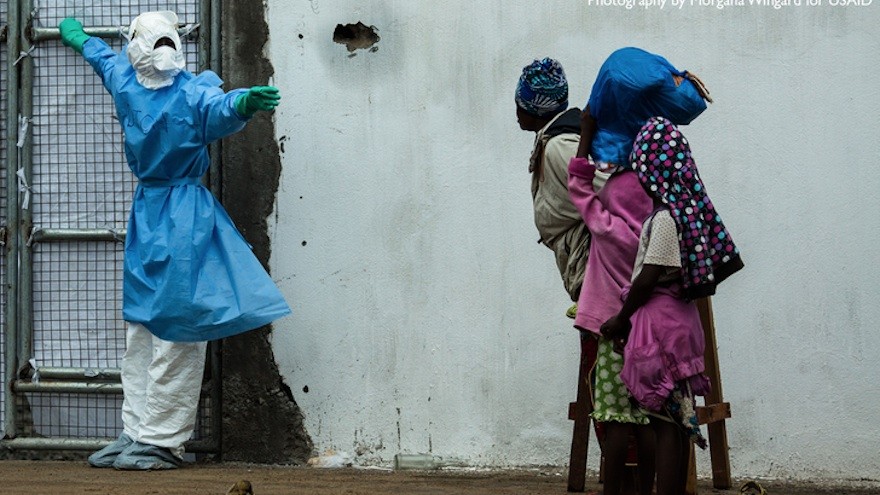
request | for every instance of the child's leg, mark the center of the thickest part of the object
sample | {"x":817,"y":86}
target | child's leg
{"x":615,"y":448}
{"x":669,"y":458}
{"x":646,"y":441}
{"x":613,"y":407}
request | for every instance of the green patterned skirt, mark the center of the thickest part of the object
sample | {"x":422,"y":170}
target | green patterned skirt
{"x":611,"y":399}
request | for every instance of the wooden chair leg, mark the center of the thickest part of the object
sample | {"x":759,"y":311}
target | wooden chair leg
{"x":580,"y":412}
{"x":691,"y":487}
{"x":717,"y":410}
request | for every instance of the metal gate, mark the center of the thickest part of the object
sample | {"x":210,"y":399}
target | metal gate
{"x":66,"y":191}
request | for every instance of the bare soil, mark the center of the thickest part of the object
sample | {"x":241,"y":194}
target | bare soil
{"x":75,"y":477}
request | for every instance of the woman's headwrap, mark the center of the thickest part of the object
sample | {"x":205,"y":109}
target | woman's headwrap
{"x":662,"y":159}
{"x":542,"y":89}
{"x":155,"y":67}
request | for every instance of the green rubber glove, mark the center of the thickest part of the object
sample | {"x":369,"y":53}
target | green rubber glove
{"x":257,"y":98}
{"x":72,"y":34}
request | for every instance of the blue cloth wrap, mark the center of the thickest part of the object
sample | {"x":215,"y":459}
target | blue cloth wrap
{"x":632,"y":86}
{"x":542,"y":89}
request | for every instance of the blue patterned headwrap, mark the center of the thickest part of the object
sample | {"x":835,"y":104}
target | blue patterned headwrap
{"x":542,"y":89}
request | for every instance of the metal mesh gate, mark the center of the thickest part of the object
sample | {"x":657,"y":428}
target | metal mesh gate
{"x":73,"y":195}
{"x":3,"y":224}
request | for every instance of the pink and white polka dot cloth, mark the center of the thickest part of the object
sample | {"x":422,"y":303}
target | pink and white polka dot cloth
{"x":662,"y":159}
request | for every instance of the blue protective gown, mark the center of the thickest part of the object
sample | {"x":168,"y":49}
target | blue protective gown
{"x":189,"y":275}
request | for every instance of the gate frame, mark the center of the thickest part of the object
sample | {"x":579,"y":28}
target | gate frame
{"x":20,"y":235}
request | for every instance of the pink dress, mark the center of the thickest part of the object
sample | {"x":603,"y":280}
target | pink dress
{"x":614,"y":217}
{"x":665,"y":346}
{"x":666,"y":343}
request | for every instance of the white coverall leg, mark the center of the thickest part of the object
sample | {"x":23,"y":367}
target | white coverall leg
{"x":161,"y":382}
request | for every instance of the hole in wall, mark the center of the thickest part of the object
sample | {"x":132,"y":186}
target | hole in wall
{"x":356,"y":36}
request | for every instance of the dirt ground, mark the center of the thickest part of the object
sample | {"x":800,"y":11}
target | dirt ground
{"x":74,"y":477}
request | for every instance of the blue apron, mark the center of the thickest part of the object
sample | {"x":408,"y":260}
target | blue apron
{"x":189,"y":275}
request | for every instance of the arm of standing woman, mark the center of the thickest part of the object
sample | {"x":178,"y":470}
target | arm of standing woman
{"x":618,"y":326}
{"x":598,"y":218}
{"x":588,"y":130}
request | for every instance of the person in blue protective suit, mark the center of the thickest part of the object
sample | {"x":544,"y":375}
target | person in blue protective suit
{"x":189,"y":275}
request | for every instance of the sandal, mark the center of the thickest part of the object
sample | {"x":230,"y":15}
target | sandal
{"x":752,"y":488}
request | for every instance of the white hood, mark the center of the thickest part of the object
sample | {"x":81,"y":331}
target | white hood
{"x":155,"y":67}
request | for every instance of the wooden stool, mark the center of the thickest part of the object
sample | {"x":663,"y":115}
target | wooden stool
{"x":579,"y":411}
{"x":713,"y":413}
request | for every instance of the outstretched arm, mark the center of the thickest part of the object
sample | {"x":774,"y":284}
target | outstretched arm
{"x":258,"y":98}
{"x":222,"y":114}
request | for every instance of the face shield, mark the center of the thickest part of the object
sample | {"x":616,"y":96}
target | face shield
{"x":156,"y":64}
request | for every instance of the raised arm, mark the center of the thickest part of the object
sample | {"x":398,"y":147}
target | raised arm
{"x":96,"y":52}
{"x":72,"y":34}
{"x":588,"y":131}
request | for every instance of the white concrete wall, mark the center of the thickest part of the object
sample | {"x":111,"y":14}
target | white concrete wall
{"x":427,"y":318}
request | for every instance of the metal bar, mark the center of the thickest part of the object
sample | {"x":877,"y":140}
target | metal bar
{"x":202,"y":447}
{"x":203,"y":64}
{"x":87,"y":374}
{"x":215,"y":347}
{"x":215,"y":169}
{"x":55,"y":443}
{"x":59,"y":387}
{"x":204,"y":41}
{"x":60,"y":235}
{"x":52,"y":33}
{"x":25,"y":139}
{"x":87,"y":444}
{"x":215,"y":36}
{"x":12,"y":51}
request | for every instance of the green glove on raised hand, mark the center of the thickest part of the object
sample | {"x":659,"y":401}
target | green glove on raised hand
{"x":72,"y":34}
{"x":257,"y":98}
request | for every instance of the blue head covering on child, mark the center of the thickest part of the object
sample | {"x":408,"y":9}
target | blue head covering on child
{"x":542,"y":89}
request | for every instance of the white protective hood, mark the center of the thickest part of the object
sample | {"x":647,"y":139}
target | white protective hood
{"x":155,"y":67}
